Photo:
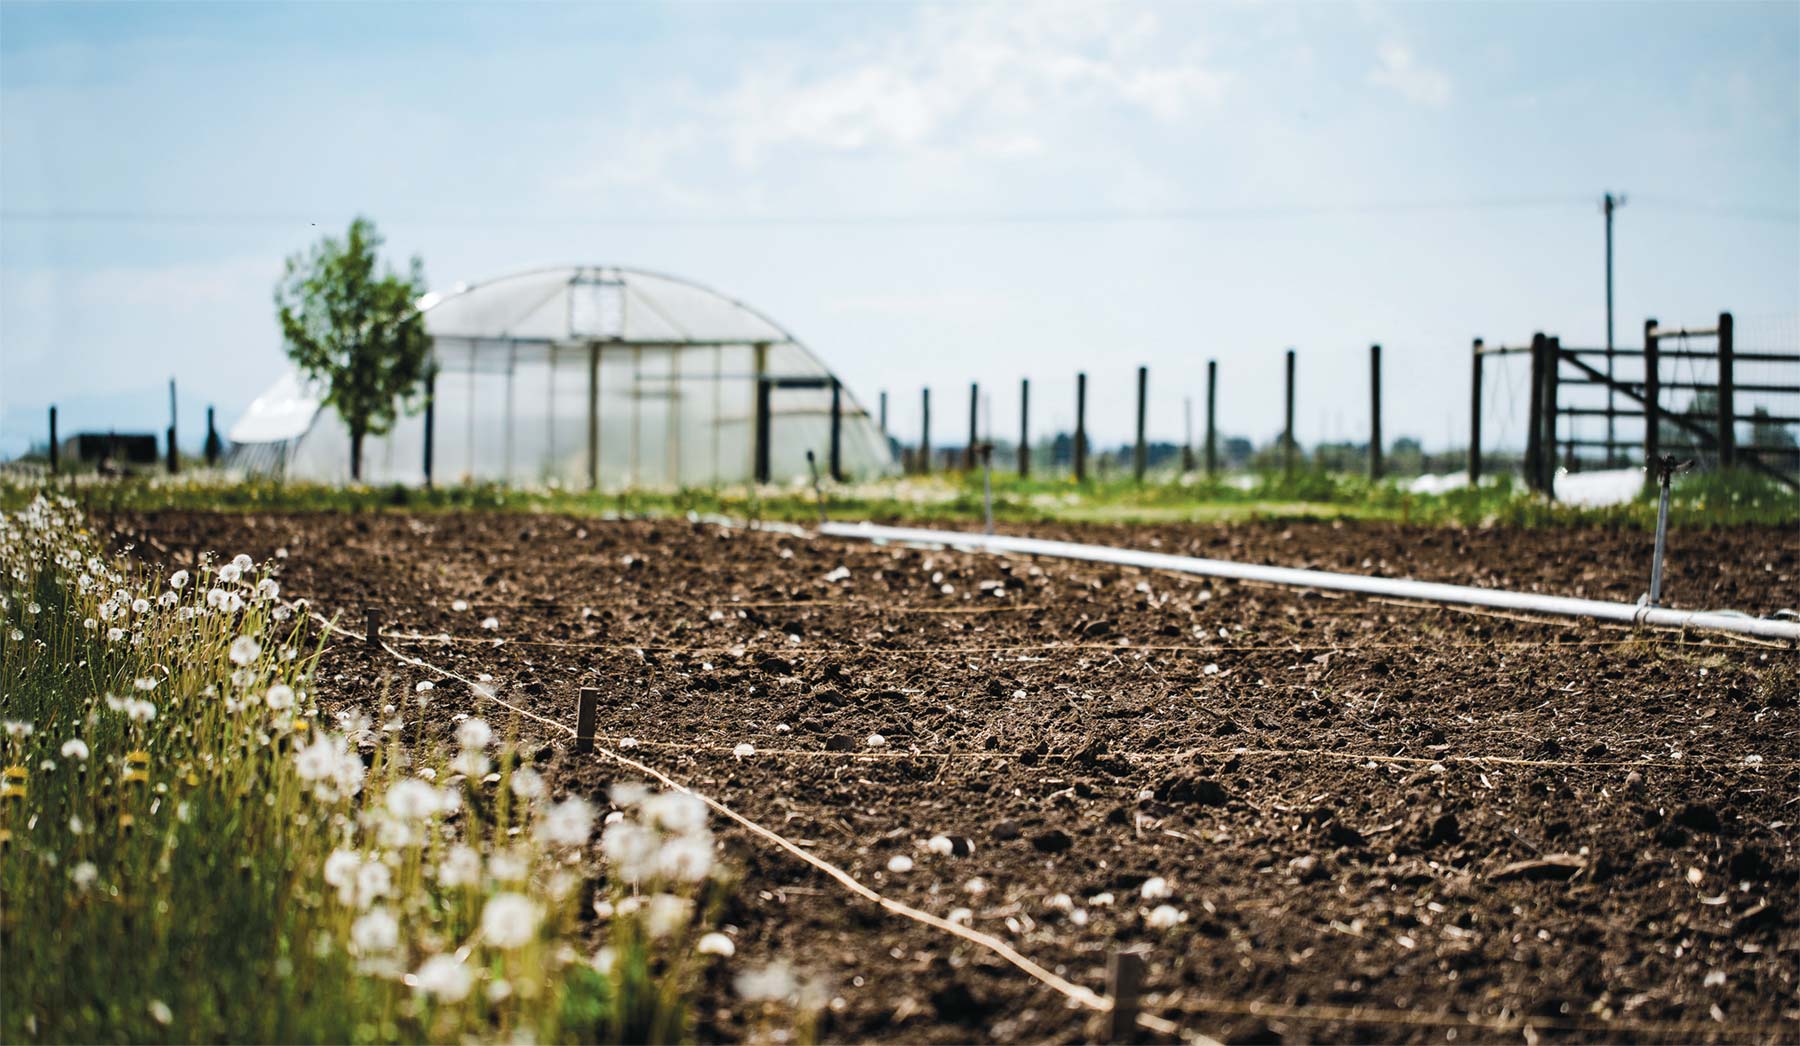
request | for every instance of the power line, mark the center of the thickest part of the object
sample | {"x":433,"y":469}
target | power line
{"x":1088,"y":217}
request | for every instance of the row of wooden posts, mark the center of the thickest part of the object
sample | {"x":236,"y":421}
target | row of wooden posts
{"x":1716,"y":434}
{"x":1141,"y":450}
{"x":211,"y":449}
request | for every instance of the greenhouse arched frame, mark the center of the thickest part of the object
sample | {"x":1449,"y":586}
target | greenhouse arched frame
{"x":587,"y":377}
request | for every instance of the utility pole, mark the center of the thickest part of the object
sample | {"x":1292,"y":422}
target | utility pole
{"x":1608,"y":204}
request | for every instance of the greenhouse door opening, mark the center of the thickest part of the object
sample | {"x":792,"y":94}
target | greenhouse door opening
{"x":766,"y":388}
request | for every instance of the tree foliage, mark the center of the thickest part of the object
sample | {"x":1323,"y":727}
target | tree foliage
{"x":351,"y":325}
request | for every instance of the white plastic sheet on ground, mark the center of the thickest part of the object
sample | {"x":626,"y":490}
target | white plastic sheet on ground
{"x":1599,"y":489}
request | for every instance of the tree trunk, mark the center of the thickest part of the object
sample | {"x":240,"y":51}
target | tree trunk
{"x":356,"y":440}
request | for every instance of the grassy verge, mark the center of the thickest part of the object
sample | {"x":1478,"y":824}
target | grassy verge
{"x":1702,"y":500}
{"x":191,"y":849}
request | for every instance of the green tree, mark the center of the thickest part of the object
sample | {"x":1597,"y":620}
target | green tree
{"x":355,"y":330}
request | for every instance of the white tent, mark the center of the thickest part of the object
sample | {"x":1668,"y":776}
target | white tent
{"x":587,"y":377}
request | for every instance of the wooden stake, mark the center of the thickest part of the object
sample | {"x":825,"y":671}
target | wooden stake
{"x":372,"y":626}
{"x":1124,"y":976}
{"x":587,"y":703}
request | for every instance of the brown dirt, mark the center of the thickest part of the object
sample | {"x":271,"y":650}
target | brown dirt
{"x":1073,"y":725}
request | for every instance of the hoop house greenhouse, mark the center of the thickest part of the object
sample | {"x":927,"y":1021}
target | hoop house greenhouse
{"x":587,"y":377}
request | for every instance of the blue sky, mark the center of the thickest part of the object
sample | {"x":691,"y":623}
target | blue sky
{"x":925,"y":193}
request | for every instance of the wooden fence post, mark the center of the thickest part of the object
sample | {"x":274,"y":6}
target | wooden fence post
{"x":1140,"y":459}
{"x":1534,"y":425}
{"x":1374,"y":412}
{"x":1547,"y":445}
{"x":1080,"y":426}
{"x":55,"y":451}
{"x":974,"y":427}
{"x":1287,"y":427}
{"x":1475,"y":417}
{"x":924,"y":431}
{"x":1727,"y":395}
{"x":431,"y":427}
{"x":1024,"y":427}
{"x":1187,"y":434}
{"x":1212,"y":430}
{"x":837,"y":430}
{"x":1652,"y":401}
{"x":884,"y":428}
{"x":763,"y":427}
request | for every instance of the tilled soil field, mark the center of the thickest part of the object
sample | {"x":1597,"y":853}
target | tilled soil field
{"x":1375,"y":820}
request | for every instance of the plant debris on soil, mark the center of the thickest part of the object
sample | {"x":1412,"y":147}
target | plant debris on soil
{"x":1366,"y":819}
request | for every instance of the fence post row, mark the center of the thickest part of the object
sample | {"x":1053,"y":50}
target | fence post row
{"x":1080,"y":426}
{"x":1140,"y":459}
{"x":1374,"y":412}
{"x":1652,"y":398}
{"x":1024,"y":427}
{"x":1475,"y":417}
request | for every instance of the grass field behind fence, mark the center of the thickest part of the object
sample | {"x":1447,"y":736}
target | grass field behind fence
{"x":1700,"y":500}
{"x":193,"y":849}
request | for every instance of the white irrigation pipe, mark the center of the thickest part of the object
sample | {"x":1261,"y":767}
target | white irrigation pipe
{"x":1429,"y":591}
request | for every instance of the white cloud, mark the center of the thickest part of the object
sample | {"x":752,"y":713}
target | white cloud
{"x":1400,"y":71}
{"x":951,"y":87}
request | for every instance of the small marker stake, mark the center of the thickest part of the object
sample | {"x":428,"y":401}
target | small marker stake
{"x":987,"y":486}
{"x":372,"y":626}
{"x":818,"y":494}
{"x":587,"y":702}
{"x":1666,"y":466}
{"x":1124,"y":976}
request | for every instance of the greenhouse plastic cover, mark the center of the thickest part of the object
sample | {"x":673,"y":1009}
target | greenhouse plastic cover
{"x":668,"y":368}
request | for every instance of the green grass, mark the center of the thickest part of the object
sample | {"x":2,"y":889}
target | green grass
{"x":1700,"y":500}
{"x":192,"y":850}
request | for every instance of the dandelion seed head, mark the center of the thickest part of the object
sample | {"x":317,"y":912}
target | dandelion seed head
{"x":527,"y":783}
{"x":245,"y":650}
{"x":568,"y":823}
{"x":941,"y":845}
{"x":460,"y":867}
{"x":375,"y":932}
{"x":744,"y":750}
{"x":444,"y":979}
{"x":228,"y":573}
{"x":1156,"y":888}
{"x":84,"y":874}
{"x":75,"y":748}
{"x":509,"y":920}
{"x":474,"y":734}
{"x":178,"y":580}
{"x":666,"y":914}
